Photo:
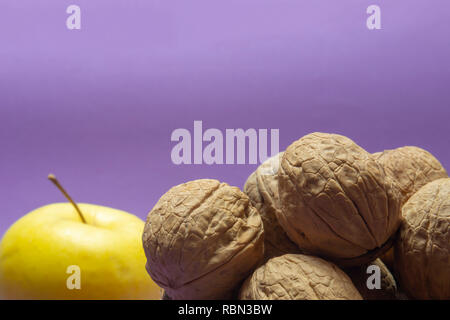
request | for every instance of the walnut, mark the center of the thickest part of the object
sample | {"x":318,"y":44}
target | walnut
{"x":422,"y":251}
{"x":163,"y":295}
{"x":202,"y":239}
{"x":336,"y":201}
{"x":298,"y":277}
{"x":411,"y":168}
{"x":360,"y":275}
{"x":262,"y":189}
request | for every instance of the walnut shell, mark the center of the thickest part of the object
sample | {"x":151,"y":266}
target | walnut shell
{"x":411,"y":168}
{"x":422,"y":251}
{"x":163,"y":295}
{"x":298,"y":277}
{"x":359,"y":276}
{"x":336,"y":201}
{"x":262,"y":189}
{"x":202,"y":239}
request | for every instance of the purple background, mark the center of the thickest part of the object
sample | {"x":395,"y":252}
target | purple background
{"x":97,"y":106}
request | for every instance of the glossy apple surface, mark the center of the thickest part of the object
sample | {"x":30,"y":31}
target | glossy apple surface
{"x":37,"y":251}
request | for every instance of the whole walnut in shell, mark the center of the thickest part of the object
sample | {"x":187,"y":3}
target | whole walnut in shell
{"x":262,"y":189}
{"x":411,"y":168}
{"x":362,"y":274}
{"x":202,"y":239}
{"x":336,"y":201}
{"x":298,"y":277}
{"x":422,"y":251}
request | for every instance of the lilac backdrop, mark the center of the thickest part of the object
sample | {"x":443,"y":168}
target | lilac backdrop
{"x":97,"y":106}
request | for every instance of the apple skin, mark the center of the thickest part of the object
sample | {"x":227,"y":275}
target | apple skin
{"x":36,"y":251}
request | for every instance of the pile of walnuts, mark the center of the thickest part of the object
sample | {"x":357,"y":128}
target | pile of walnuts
{"x":324,"y":219}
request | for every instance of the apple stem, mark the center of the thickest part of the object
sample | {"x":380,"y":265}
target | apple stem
{"x":55,"y":181}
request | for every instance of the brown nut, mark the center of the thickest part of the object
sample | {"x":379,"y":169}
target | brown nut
{"x":298,"y":277}
{"x":163,"y":295}
{"x":422,"y":251}
{"x":202,"y":239}
{"x":365,"y":280}
{"x":336,"y":201}
{"x":262,"y":189}
{"x":411,"y":168}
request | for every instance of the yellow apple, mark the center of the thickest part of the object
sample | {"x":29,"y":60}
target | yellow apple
{"x":50,"y":253}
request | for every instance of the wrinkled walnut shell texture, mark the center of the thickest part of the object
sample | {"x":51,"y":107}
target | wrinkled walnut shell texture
{"x":202,"y":239}
{"x":422,"y":251}
{"x":411,"y":168}
{"x":262,"y":189}
{"x":298,"y":277}
{"x":335,"y":199}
